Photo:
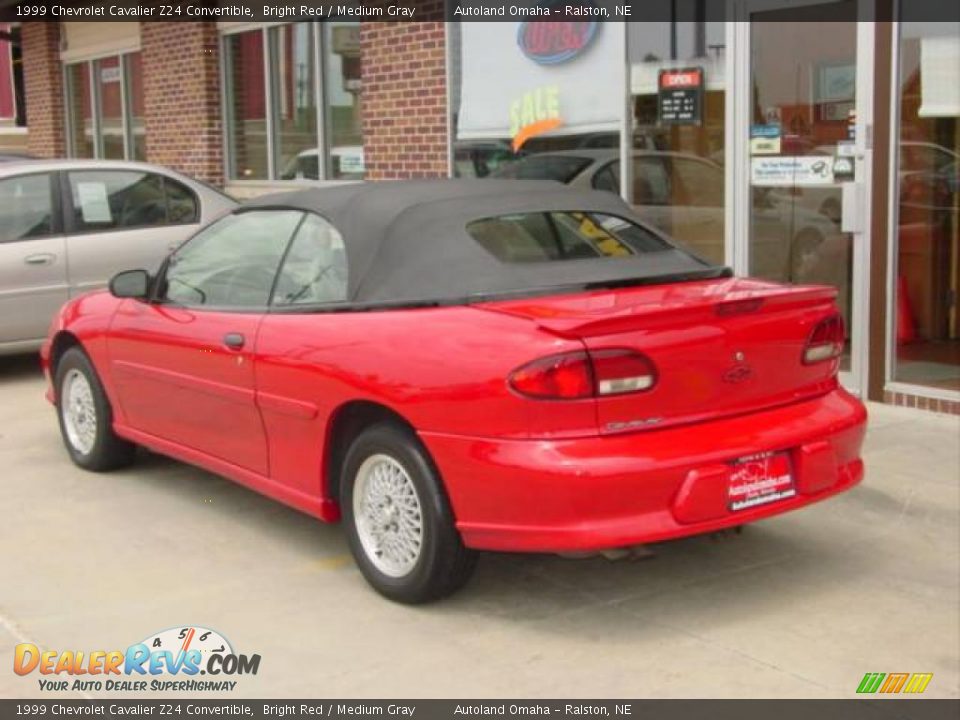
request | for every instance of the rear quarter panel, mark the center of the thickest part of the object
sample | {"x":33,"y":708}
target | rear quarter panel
{"x":443,"y":370}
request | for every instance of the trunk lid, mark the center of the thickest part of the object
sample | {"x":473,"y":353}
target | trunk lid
{"x":720,"y":347}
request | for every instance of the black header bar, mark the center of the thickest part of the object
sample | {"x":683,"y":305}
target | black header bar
{"x":460,"y":10}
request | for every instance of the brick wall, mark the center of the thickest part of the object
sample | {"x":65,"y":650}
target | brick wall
{"x":948,"y":407}
{"x":181,"y":86}
{"x":43,"y":89}
{"x":404,"y":98}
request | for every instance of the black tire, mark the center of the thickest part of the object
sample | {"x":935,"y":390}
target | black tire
{"x":444,"y":565}
{"x":107,"y":451}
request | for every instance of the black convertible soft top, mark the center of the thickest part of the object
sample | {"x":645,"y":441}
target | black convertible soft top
{"x":407,"y":243}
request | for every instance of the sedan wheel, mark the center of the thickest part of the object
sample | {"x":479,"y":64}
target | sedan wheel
{"x":397,"y":518}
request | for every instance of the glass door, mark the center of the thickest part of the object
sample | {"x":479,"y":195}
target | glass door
{"x":803,"y":125}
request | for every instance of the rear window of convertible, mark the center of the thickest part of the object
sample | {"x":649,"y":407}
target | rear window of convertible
{"x":545,"y":236}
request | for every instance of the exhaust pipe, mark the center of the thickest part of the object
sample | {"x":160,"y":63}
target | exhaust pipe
{"x":634,"y":552}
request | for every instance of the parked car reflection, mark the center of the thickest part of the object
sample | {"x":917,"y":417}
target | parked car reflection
{"x":683,"y":196}
{"x":480,"y":158}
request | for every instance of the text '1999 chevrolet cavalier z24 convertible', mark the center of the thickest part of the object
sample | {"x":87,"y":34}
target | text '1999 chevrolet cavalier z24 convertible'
{"x":453,"y":366}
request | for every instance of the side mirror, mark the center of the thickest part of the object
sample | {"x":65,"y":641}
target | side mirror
{"x":131,"y":284}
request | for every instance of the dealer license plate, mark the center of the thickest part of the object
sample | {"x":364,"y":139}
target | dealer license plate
{"x":760,"y":479}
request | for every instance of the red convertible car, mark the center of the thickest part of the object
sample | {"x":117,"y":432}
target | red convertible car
{"x":453,"y":366}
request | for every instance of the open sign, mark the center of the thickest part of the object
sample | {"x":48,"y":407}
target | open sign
{"x":680,"y":96}
{"x":550,"y":43}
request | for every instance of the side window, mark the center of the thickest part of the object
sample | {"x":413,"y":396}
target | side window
{"x":651,"y":185}
{"x":558,"y":236}
{"x":231,"y":263}
{"x":181,"y":203}
{"x":608,"y":178}
{"x":26,"y":209}
{"x":315,"y":269}
{"x":702,"y":182}
{"x":116,"y":199}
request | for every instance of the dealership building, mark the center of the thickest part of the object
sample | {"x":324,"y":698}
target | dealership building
{"x":822,"y":151}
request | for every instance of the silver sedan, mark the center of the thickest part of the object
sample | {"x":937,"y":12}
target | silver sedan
{"x":66,"y":226}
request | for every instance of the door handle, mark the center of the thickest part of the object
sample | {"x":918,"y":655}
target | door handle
{"x":234,"y":341}
{"x":40,"y":259}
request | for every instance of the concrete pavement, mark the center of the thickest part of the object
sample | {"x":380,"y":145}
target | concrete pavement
{"x":797,"y":606}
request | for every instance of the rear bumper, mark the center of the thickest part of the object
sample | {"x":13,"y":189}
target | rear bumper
{"x":615,"y":491}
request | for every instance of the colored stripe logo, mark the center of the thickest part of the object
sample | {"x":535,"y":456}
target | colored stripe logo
{"x":912,"y":683}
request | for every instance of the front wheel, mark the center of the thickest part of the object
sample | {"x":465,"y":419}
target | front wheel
{"x":86,"y":418}
{"x":398,"y":522}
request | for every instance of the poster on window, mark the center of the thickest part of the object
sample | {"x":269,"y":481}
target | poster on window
{"x":791,"y":171}
{"x":507,"y":88}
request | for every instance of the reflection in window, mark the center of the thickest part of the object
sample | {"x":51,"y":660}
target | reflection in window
{"x":513,"y":119}
{"x":247,"y":105}
{"x":293,"y":92}
{"x":342,"y":61}
{"x":681,"y":193}
{"x":294,"y":103}
{"x":135,"y":103}
{"x":80,"y":111}
{"x":559,"y":168}
{"x":105,"y":108}
{"x":927,"y":258}
{"x":110,"y":99}
{"x":803,"y":80}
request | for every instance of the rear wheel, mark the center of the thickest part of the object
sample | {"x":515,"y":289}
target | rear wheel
{"x":398,"y":522}
{"x":86,"y":418}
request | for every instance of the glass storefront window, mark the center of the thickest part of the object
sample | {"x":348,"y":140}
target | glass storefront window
{"x":520,"y":110}
{"x":80,"y":111}
{"x":290,"y":103}
{"x":247,"y":106}
{"x":110,"y":99}
{"x":105,"y":108}
{"x":927,"y":250}
{"x":134,"y":78}
{"x":342,"y":84}
{"x":803,"y":95}
{"x":294,"y":100}
{"x":677,"y":179}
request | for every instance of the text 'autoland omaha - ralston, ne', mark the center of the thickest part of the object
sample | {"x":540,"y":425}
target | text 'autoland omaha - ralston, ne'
{"x":332,"y":10}
{"x":541,"y":11}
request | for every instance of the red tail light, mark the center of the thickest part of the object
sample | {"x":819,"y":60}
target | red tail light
{"x":579,"y":375}
{"x":826,"y":342}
